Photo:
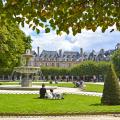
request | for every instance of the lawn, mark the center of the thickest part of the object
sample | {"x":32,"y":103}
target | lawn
{"x":72,"y":104}
{"x":94,"y":88}
{"x":9,"y":83}
{"x":67,"y":84}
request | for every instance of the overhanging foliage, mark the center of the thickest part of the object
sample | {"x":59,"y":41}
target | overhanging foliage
{"x":10,"y":48}
{"x":60,"y":15}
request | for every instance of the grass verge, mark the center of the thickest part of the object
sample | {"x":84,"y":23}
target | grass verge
{"x":94,"y":88}
{"x":70,"y":85}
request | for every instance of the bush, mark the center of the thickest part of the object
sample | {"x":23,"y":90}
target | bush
{"x":116,"y":61}
{"x":111,"y":91}
{"x":50,"y":81}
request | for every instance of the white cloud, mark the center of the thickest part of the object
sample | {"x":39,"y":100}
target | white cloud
{"x":87,"y":40}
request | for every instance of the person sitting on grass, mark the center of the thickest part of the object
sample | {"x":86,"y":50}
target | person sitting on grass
{"x":55,"y":95}
{"x":42,"y":91}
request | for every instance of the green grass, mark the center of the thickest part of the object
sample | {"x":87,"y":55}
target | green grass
{"x":93,"y":88}
{"x":71,"y":85}
{"x":30,"y":104}
{"x":9,"y":83}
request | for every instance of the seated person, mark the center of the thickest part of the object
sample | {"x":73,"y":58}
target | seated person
{"x":82,"y":84}
{"x":76,"y":83}
{"x":55,"y":95}
{"x":42,"y":91}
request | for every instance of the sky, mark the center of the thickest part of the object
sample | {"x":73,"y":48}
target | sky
{"x":87,"y":40}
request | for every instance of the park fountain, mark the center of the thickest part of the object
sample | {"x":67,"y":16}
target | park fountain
{"x":27,"y":69}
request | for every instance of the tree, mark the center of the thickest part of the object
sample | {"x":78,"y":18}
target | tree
{"x":85,"y":68}
{"x":111,"y":92}
{"x":12,"y":44}
{"x":60,"y":15}
{"x":54,"y":71}
{"x":116,"y":61}
{"x":27,"y":42}
{"x":102,"y":67}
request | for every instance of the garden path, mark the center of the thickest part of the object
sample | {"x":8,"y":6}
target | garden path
{"x":58,"y":90}
{"x":82,"y":117}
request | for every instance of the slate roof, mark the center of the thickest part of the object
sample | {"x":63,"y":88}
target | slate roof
{"x":108,"y":52}
{"x":48,"y":54}
{"x":71,"y":54}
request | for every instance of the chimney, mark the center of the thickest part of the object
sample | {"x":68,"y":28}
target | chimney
{"x":60,"y":52}
{"x":117,"y":46}
{"x":81,"y":51}
{"x":38,"y":51}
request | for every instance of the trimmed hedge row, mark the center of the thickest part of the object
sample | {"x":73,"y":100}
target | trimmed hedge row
{"x":84,"y":68}
{"x":54,"y":71}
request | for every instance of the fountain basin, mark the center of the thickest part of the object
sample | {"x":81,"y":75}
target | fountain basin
{"x":27,"y":71}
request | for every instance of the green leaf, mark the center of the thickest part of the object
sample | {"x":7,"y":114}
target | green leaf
{"x":37,"y":30}
{"x":103,"y":29}
{"x":30,"y":25}
{"x":43,"y":19}
{"x":33,"y":28}
{"x":47,"y":30}
{"x":22,"y":24}
{"x":58,"y":32}
{"x":41,"y":24}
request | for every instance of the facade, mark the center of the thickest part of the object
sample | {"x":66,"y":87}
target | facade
{"x":67,"y":59}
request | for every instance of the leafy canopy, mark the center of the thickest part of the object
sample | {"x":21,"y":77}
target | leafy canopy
{"x":60,"y":15}
{"x":13,"y":43}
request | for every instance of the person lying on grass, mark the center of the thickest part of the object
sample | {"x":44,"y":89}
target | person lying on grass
{"x":53,"y":95}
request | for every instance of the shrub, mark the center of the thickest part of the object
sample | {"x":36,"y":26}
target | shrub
{"x":50,"y":81}
{"x":116,"y":61}
{"x":111,"y":91}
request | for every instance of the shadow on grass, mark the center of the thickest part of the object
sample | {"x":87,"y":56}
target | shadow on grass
{"x":97,"y":104}
{"x":46,"y":98}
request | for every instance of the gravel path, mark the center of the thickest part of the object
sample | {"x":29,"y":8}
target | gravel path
{"x":88,"y":117}
{"x":58,"y":90}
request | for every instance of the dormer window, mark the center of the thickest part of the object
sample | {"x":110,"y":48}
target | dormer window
{"x":73,"y":56}
{"x":68,"y":56}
